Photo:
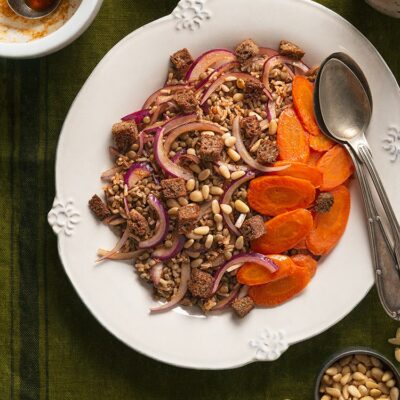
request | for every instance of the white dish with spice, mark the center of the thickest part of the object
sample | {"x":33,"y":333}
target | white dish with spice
{"x":29,"y":38}
{"x":112,"y":291}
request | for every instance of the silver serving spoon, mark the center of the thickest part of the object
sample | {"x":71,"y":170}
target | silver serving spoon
{"x":22,"y":9}
{"x":343,"y":107}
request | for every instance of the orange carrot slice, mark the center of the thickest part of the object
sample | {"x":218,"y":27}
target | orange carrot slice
{"x":273,"y":195}
{"x":306,"y":261}
{"x":292,"y":139}
{"x":277,"y":292}
{"x":336,"y":167}
{"x":303,"y":103}
{"x":314,"y":157}
{"x":330,"y":226}
{"x":254,"y":274}
{"x":301,"y":171}
{"x":284,"y":231}
{"x":320,"y":142}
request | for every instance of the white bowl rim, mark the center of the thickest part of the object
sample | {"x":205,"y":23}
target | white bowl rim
{"x":66,"y":34}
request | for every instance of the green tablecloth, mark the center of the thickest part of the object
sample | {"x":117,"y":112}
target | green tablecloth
{"x":50,"y":345}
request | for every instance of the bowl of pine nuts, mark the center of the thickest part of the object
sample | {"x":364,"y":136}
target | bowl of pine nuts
{"x":358,"y":373}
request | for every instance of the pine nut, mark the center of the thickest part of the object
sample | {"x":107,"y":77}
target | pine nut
{"x":345,"y":392}
{"x":224,"y":171}
{"x":193,"y":254}
{"x":239,"y":243}
{"x":196,"y":196}
{"x":376,"y":363}
{"x":209,"y":133}
{"x":337,"y":377}
{"x":224,"y":88}
{"x":218,"y":218}
{"x":383,"y":388}
{"x":264,"y":124}
{"x":375,"y":392}
{"x":182,"y":201}
{"x":226,"y":135}
{"x":397,"y":354}
{"x":394,"y":393}
{"x":255,"y":146}
{"x":226,"y":208}
{"x":216,"y":191}
{"x":254,"y":114}
{"x":273,"y":126}
{"x":230,"y":141}
{"x":354,"y":391}
{"x":237,"y":174}
{"x":191,"y":151}
{"x":345,"y":361}
{"x":331,"y":371}
{"x":242,"y":208}
{"x":205,"y":191}
{"x":358,"y":376}
{"x":367,"y":398}
{"x":220,"y":226}
{"x":195,"y":168}
{"x":395,"y":341}
{"x":361,"y":368}
{"x":201,"y":230}
{"x":390,"y":383}
{"x":387,"y":375}
{"x":173,"y":211}
{"x":346,"y":370}
{"x":345,"y":379}
{"x":371,"y":384}
{"x":190,"y":185}
{"x":238,"y":97}
{"x":363,"y":390}
{"x":188,"y":243}
{"x":203,"y":175}
{"x":377,"y":373}
{"x":333,"y":392}
{"x":363,"y":359}
{"x":172,"y":203}
{"x":326,"y":397}
{"x":216,"y":209}
{"x":209,"y":241}
{"x":196,"y":263}
{"x":233,"y":154}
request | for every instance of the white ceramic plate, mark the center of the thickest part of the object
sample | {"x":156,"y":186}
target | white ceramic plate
{"x":121,"y":82}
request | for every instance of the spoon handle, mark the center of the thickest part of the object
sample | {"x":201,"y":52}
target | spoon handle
{"x":386,"y":275}
{"x":366,"y":157}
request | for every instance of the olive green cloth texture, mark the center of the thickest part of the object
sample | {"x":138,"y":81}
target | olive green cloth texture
{"x":51,"y":347}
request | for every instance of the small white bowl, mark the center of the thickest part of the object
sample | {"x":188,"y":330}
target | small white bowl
{"x":67,"y":33}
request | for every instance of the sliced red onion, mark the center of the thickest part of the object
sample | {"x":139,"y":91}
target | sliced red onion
{"x":238,"y":260}
{"x":154,"y":127}
{"x":266,"y":51}
{"x":238,"y":75}
{"x":164,"y":162}
{"x":117,"y":247}
{"x":271,"y":110}
{"x":131,"y":255}
{"x":247,"y":158}
{"x":180,"y":294}
{"x":163,"y":224}
{"x":277,"y":60}
{"x":136,"y":173}
{"x":126,"y":207}
{"x":218,"y":71}
{"x":137,"y":116}
{"x":222,"y":304}
{"x":243,"y":292}
{"x":153,"y":97}
{"x":164,"y":99}
{"x":163,"y":253}
{"x":156,"y":273}
{"x":212,"y":58}
{"x":159,"y":110}
{"x":227,"y":195}
{"x":108,"y":175}
{"x":178,"y":121}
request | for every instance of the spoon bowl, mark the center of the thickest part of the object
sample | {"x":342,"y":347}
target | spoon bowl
{"x":23,"y":10}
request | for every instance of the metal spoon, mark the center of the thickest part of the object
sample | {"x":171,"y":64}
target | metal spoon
{"x":343,"y":107}
{"x":22,"y":9}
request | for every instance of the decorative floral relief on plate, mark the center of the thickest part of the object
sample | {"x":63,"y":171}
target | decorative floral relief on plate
{"x":391,"y":143}
{"x":190,"y":14}
{"x":63,"y":217}
{"x":270,"y":345}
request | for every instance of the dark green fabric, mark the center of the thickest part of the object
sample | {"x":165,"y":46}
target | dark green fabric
{"x":50,"y":345}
